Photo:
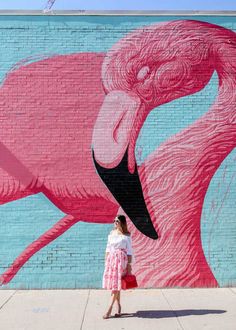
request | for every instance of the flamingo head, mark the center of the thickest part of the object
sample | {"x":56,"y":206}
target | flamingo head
{"x":148,"y":67}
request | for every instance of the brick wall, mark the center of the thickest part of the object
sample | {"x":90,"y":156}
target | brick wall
{"x":52,"y":83}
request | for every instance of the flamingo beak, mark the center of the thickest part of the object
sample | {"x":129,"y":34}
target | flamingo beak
{"x":123,"y":183}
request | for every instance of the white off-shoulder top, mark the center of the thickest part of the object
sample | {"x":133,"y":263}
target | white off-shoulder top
{"x":119,"y":241}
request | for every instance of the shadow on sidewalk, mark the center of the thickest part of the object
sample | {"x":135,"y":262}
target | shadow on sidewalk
{"x":154,"y":314}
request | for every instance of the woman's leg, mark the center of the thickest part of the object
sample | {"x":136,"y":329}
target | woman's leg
{"x":118,"y":301}
{"x":114,"y":298}
{"x":119,"y":305}
{"x":118,"y":297}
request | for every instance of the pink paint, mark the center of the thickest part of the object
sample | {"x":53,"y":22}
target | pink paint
{"x":46,"y":101}
{"x":144,"y":70}
{"x":177,"y":175}
{"x":112,"y":131}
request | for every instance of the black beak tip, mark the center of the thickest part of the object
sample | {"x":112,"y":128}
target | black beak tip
{"x":154,"y":235}
{"x":145,"y":225}
{"x":126,"y":186}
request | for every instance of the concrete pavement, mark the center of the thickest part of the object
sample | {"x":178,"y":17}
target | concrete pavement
{"x":162,"y":309}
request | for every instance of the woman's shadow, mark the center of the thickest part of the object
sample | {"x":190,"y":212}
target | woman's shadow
{"x":159,"y":314}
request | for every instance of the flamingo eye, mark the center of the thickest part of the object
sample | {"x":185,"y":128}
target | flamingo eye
{"x":142,"y":74}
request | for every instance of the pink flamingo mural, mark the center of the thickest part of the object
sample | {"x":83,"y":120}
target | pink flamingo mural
{"x":101,"y":102}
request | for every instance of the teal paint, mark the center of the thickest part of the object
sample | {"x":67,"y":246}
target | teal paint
{"x":218,"y":226}
{"x":70,"y":261}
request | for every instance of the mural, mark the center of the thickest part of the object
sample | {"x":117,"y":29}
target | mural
{"x":80,"y":117}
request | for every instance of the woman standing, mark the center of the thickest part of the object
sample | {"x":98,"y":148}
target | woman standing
{"x":117,"y":261}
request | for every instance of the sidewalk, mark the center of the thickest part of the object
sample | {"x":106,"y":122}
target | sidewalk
{"x":159,"y":309}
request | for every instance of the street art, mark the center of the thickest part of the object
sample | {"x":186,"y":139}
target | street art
{"x":91,"y":107}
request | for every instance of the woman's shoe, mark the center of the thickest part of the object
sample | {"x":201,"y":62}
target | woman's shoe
{"x":119,"y":312}
{"x":108,"y":314}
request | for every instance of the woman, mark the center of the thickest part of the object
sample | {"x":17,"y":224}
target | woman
{"x":117,"y":261}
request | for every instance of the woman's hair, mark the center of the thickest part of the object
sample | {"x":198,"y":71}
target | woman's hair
{"x":123,"y":224}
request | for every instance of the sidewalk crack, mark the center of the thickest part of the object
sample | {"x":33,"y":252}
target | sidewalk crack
{"x":82,"y":323}
{"x":172,"y":310}
{"x":8,"y":300}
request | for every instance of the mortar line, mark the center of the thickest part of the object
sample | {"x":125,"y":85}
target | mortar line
{"x":172,"y":310}
{"x":8,"y":300}
{"x":82,"y":323}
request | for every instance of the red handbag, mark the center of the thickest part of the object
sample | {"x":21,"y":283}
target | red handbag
{"x":129,"y":281}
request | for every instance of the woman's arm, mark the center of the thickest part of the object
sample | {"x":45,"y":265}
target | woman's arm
{"x":129,"y":267}
{"x":107,"y":248}
{"x":129,"y":254}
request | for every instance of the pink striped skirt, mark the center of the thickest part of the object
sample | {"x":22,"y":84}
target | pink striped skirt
{"x":115,"y":268}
